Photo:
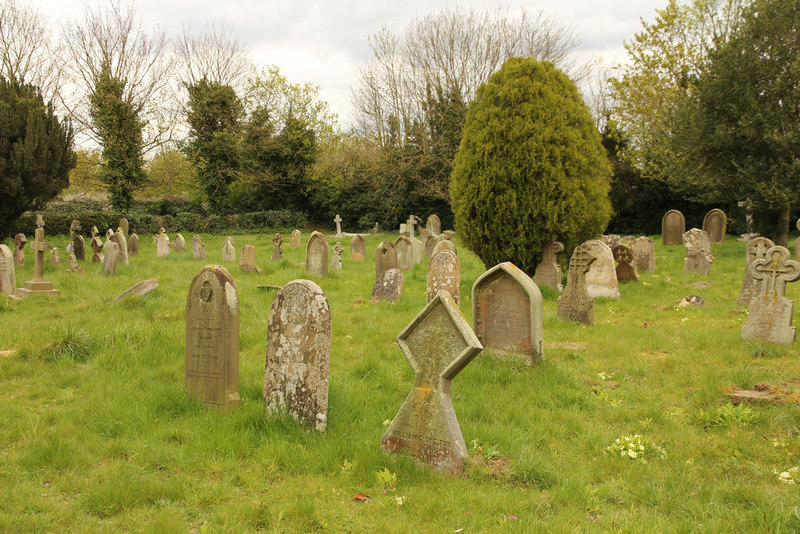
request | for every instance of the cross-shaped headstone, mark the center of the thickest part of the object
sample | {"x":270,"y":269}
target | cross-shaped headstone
{"x":438,"y":344}
{"x":579,"y":265}
{"x":338,"y":221}
{"x":412,"y":220}
{"x":775,"y":269}
{"x":39,"y":221}
{"x":40,"y":246}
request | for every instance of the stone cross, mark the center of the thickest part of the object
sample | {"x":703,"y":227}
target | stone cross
{"x":39,"y":221}
{"x":412,"y":220}
{"x":338,"y":221}
{"x":575,"y":304}
{"x":277,"y":253}
{"x":438,"y":344}
{"x":775,"y":269}
{"x":336,"y":259}
{"x":756,"y":249}
{"x":770,"y":313}
{"x":38,"y":284}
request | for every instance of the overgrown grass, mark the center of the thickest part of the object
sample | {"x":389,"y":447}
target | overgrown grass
{"x":99,"y":436}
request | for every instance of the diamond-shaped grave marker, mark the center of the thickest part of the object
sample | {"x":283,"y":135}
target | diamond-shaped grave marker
{"x":438,"y":344}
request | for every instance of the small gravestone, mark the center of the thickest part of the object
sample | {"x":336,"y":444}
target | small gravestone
{"x":73,"y":264}
{"x":133,"y":245}
{"x":8,"y":279}
{"x":109,"y":233}
{"x":198,"y":247}
{"x":673,"y":225}
{"x":443,"y":243}
{"x":438,"y":344}
{"x":548,"y":272}
{"x":139,"y":290}
{"x":336,"y":258}
{"x":298,"y":354}
{"x":294,"y":242}
{"x":212,"y":339}
{"x":601,"y":280}
{"x":79,"y":247}
{"x":228,"y":250}
{"x":162,"y":245}
{"x":385,"y":258}
{"x":120,"y":239}
{"x":19,"y":243}
{"x":575,"y":304}
{"x":277,"y":253}
{"x":54,"y":259}
{"x":38,"y":285}
{"x":389,"y":286}
{"x":698,"y":252}
{"x":507,"y":312}
{"x":317,"y":255}
{"x":444,"y":274}
{"x":376,"y":229}
{"x":434,"y":225}
{"x":428,"y":242}
{"x":402,"y":229}
{"x":770,"y":313}
{"x":756,"y":250}
{"x":644,"y":255}
{"x":417,"y":249}
{"x":94,"y":232}
{"x":111,"y":256}
{"x":338,"y":221}
{"x":358,"y":249}
{"x":247,"y":261}
{"x":405,"y":253}
{"x":626,"y":272}
{"x":410,"y":223}
{"x":97,"y":249}
{"x":123,"y":225}
{"x":715,"y":224}
{"x":179,"y":243}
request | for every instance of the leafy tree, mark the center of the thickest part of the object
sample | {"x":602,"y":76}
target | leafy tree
{"x":35,"y":151}
{"x":85,"y":177}
{"x":170,"y":174}
{"x":530,"y":168}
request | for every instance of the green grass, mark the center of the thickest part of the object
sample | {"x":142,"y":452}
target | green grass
{"x":97,"y":434}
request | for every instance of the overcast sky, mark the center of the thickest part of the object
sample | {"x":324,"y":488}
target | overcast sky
{"x":324,"y":42}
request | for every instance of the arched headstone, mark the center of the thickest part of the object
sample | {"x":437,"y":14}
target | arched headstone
{"x":358,"y":249}
{"x":405,"y":253}
{"x":385,"y":258}
{"x":317,"y":255}
{"x":715,"y":224}
{"x":444,"y":274}
{"x":673,"y":225}
{"x":433,"y":224}
{"x":601,"y":280}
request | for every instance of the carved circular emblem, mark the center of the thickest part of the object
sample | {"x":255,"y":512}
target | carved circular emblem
{"x":205,"y":291}
{"x":623,"y":253}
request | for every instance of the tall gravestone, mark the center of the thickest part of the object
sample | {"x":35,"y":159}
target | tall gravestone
{"x":212,"y":339}
{"x":317,"y":255}
{"x":298,"y":354}
{"x":123,"y":225}
{"x":358,"y":249}
{"x":715,"y":224}
{"x":698,"y":252}
{"x":8,"y":279}
{"x":575,"y":304}
{"x":507,"y":312}
{"x":385,"y":257}
{"x":673,"y":225}
{"x":548,"y":272}
{"x":769,"y":317}
{"x":644,"y":255}
{"x":626,"y":272}
{"x":417,"y":249}
{"x":601,"y":280}
{"x":444,"y":274}
{"x":38,"y":285}
{"x":79,"y":247}
{"x":405,"y":253}
{"x":162,"y":245}
{"x":198,"y":247}
{"x":756,"y":250}
{"x":438,"y":344}
{"x":294,"y":242}
{"x":434,"y":225}
{"x":247,"y":261}
{"x":277,"y":252}
{"x":133,"y":245}
{"x":338,"y":221}
{"x":179,"y":243}
{"x":111,"y":256}
{"x":120,"y":239}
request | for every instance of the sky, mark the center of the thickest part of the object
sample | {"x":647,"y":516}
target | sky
{"x":325,"y":42}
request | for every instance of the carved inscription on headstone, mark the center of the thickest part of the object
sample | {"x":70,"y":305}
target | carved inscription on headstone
{"x":756,"y":250}
{"x":770,"y":313}
{"x":575,"y":303}
{"x":444,"y":274}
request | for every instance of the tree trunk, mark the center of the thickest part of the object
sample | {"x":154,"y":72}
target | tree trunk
{"x":782,"y":226}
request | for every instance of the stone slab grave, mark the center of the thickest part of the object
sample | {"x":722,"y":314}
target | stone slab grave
{"x":19,"y":243}
{"x":698,"y":252}
{"x":673,"y":225}
{"x":715,"y":224}
{"x":770,"y":313}
{"x":162,"y":245}
{"x":125,"y":227}
{"x":38,"y":285}
{"x":444,"y":274}
{"x":385,"y":257}
{"x":644,"y":255}
{"x":229,"y":250}
{"x":358,"y":249}
{"x":247,"y":260}
{"x":139,"y":290}
{"x":133,"y":245}
{"x":294,"y":242}
{"x":121,"y":239}
{"x":317,"y":255}
{"x":338,"y":222}
{"x":756,"y":250}
{"x":388,"y":286}
{"x":601,"y":280}
{"x":548,"y":272}
{"x":626,"y":271}
{"x":433,"y":224}
{"x":8,"y":279}
{"x":575,"y":304}
{"x":405,"y":253}
{"x":212,"y":339}
{"x":198,"y":247}
{"x":277,"y":252}
{"x":507,"y":312}
{"x":111,"y":257}
{"x":438,"y":344}
{"x":179,"y":243}
{"x":336,"y":257}
{"x":298,"y":354}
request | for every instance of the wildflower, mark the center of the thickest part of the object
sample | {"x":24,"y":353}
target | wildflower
{"x":399,"y":500}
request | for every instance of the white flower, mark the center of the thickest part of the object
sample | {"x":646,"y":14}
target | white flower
{"x":399,"y":500}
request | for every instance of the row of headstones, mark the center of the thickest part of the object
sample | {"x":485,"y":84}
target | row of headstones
{"x":673,"y":226}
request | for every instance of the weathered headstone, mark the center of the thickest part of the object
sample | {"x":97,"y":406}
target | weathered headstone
{"x":444,"y":274}
{"x":19,"y":243}
{"x":8,"y":279}
{"x":673,"y":225}
{"x":298,"y":354}
{"x":294,"y":242}
{"x":507,"y":312}
{"x":433,"y":224}
{"x":715,"y":224}
{"x":247,"y":260}
{"x":770,"y":314}
{"x":179,"y":244}
{"x":97,"y":248}
{"x":198,"y":247}
{"x":402,"y":229}
{"x":109,"y":233}
{"x":338,"y":221}
{"x":358,"y":249}
{"x":443,"y":243}
{"x":120,"y":239}
{"x":756,"y":250}
{"x":54,"y":259}
{"x":111,"y":256}
{"x":385,"y":258}
{"x":139,"y":290}
{"x":162,"y":245}
{"x":428,"y":242}
{"x":575,"y":304}
{"x":133,"y":245}
{"x":417,"y":250}
{"x":611,"y":240}
{"x":698,"y":252}
{"x":79,"y":247}
{"x":74,"y":228}
{"x":626,"y":272}
{"x":73,"y":264}
{"x":644,"y":255}
{"x":376,"y":229}
{"x":548,"y":272}
{"x":277,"y":253}
{"x":438,"y":344}
{"x":123,"y":225}
{"x":405,"y":253}
{"x":212,"y":339}
{"x":388,"y":286}
{"x":601,"y":279}
{"x":228,"y":250}
{"x":94,"y":231}
{"x":38,"y":285}
{"x":317,"y":255}
{"x":410,"y":223}
{"x":336,"y":258}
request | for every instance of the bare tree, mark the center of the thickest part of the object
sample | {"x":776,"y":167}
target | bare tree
{"x":216,"y":55}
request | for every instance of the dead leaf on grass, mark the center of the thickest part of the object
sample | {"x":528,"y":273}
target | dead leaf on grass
{"x":360,"y":497}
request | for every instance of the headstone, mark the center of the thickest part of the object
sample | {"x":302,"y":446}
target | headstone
{"x":120,"y":239}
{"x":388,"y":286}
{"x":715,"y":224}
{"x":673,"y":225}
{"x":73,"y":264}
{"x":402,"y":229}
{"x":358,"y":249}
{"x":198,"y":247}
{"x":123,"y":225}
{"x":79,"y":247}
{"x":412,"y":220}
{"x":162,"y":245}
{"x":336,"y":259}
{"x":212,"y":339}
{"x":443,"y":243}
{"x":111,"y":256}
{"x":444,"y":274}
{"x":428,"y":242}
{"x":438,"y":344}
{"x":133,"y":245}
{"x":139,"y":290}
{"x":38,"y":285}
{"x":756,"y":250}
{"x":376,"y":229}
{"x":626,"y":272}
{"x":97,"y":248}
{"x":247,"y":261}
{"x":74,"y":228}
{"x":295,"y":241}
{"x":644,"y":255}
{"x":575,"y":304}
{"x":19,"y":244}
{"x":770,"y":314}
{"x":611,"y":240}
{"x":317,"y":255}
{"x":277,"y":253}
{"x":94,"y":231}
{"x":54,"y":259}
{"x":405,"y":253}
{"x":507,"y":312}
{"x":601,"y":280}
{"x":338,"y":221}
{"x":434,"y":225}
{"x":417,"y":250}
{"x":298,"y":354}
{"x":8,"y":279}
{"x":548,"y":272}
{"x":228,"y":250}
{"x":179,"y":244}
{"x":109,"y":233}
{"x":698,"y":252}
{"x":385,"y":257}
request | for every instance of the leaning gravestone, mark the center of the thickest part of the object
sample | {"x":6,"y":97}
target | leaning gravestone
{"x":295,"y":241}
{"x":198,"y":247}
{"x":715,"y":224}
{"x":385,"y":258}
{"x":336,"y":258}
{"x":120,"y":239}
{"x":8,"y":279}
{"x":770,"y":312}
{"x":756,"y":250}
{"x":575,"y":304}
{"x":507,"y":312}
{"x":298,"y":354}
{"x":673,"y":225}
{"x":19,"y":244}
{"x":179,"y":243}
{"x":434,"y":225}
{"x":133,"y":245}
{"x":405,"y":253}
{"x":277,"y":253}
{"x":247,"y":261}
{"x":444,"y":274}
{"x":162,"y":245}
{"x":601,"y":280}
{"x":644,"y":255}
{"x":358,"y":249}
{"x":139,"y":290}
{"x":698,"y":252}
{"x":38,"y":285}
{"x":548,"y":272}
{"x":123,"y":225}
{"x":212,"y":339}
{"x":626,"y":272}
{"x":438,"y":344}
{"x":317,"y":255}
{"x":388,"y":286}
{"x":111,"y":256}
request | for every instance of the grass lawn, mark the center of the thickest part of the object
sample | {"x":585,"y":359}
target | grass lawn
{"x":97,"y":434}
